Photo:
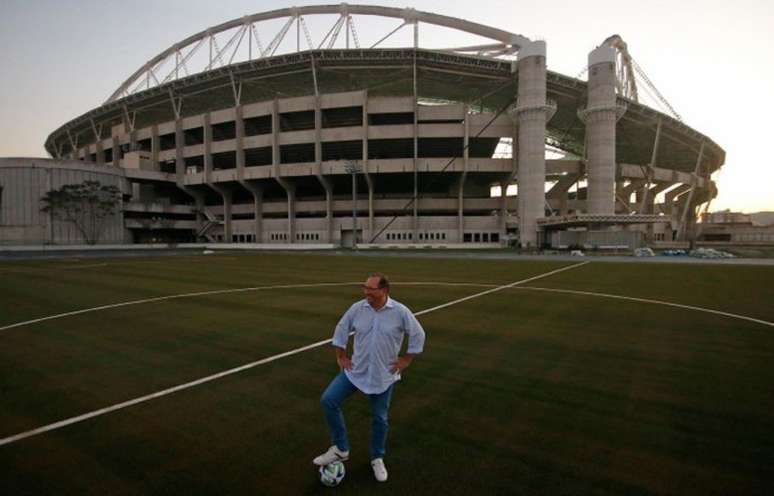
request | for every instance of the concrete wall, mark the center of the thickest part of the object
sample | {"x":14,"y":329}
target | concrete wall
{"x":25,"y":181}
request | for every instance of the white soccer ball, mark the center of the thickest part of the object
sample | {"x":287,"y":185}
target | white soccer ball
{"x":332,"y":474}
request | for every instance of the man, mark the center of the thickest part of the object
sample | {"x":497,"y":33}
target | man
{"x":378,"y":323}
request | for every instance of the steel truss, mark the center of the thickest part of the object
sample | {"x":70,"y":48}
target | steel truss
{"x":241,"y":41}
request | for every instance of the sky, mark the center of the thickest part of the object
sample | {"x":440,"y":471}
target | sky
{"x":712,"y":60}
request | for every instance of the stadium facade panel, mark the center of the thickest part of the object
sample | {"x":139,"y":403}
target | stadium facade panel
{"x":275,"y":148}
{"x":24,"y":181}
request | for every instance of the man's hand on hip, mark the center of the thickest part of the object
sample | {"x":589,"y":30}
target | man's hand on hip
{"x":342,"y":359}
{"x":344,"y":362}
{"x":400,"y":364}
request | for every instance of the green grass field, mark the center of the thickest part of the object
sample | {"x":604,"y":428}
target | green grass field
{"x":522,"y":391}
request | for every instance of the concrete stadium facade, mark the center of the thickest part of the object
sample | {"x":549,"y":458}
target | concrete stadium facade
{"x":24,"y":181}
{"x":266,"y":150}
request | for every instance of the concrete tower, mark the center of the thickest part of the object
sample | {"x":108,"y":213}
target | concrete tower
{"x":531,"y":114}
{"x":600,"y":116}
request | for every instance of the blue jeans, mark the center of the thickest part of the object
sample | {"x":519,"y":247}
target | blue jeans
{"x":339,"y":390}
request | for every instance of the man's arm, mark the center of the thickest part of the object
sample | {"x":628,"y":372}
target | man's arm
{"x":416,"y":342}
{"x":342,"y":359}
{"x":341,"y":339}
{"x":401,"y":363}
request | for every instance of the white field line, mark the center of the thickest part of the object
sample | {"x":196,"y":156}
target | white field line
{"x":655,"y":302}
{"x":158,"y":394}
{"x":499,"y":288}
{"x":173,"y":297}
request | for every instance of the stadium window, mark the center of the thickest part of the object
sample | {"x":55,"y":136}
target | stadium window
{"x":467,"y":238}
{"x":443,"y":236}
{"x":194,"y":136}
{"x":421,"y":236}
{"x":485,"y":237}
{"x":411,"y":236}
{"x":494,"y":237}
{"x":257,"y":125}
{"x":223,"y":131}
{"x":476,"y":237}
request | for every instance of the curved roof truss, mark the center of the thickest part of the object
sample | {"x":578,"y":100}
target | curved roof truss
{"x":269,"y":33}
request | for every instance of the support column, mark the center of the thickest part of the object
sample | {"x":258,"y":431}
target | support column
{"x":179,"y":144}
{"x":366,"y":171}
{"x":415,"y":204}
{"x":207,"y":135}
{"x":685,"y":220}
{"x":286,"y":184}
{"x":257,"y":191}
{"x":116,"y":151}
{"x":531,"y":114}
{"x":155,"y":145}
{"x":291,"y":191}
{"x":324,"y":182}
{"x":227,"y":202}
{"x":239,"y":141}
{"x":461,"y":208}
{"x":600,"y":116}
{"x":328,"y":188}
{"x":463,"y":177}
{"x":100,"y":153}
{"x":370,"y":184}
{"x":503,"y":208}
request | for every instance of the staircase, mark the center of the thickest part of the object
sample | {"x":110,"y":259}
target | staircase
{"x":212,"y":221}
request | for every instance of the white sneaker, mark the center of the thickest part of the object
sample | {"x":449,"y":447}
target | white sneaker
{"x":333,"y":454}
{"x":380,"y":471}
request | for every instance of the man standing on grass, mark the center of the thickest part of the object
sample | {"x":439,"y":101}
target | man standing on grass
{"x":379,"y":324}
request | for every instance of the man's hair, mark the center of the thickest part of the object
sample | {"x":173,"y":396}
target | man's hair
{"x":383,"y":281}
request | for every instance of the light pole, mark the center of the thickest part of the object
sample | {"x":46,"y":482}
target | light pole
{"x":353,"y":167}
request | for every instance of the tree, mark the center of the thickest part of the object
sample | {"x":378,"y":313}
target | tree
{"x":86,"y":206}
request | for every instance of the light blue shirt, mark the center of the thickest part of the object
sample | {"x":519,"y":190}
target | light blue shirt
{"x":378,"y":338}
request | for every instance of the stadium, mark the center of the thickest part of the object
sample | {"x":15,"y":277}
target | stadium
{"x":292,"y":127}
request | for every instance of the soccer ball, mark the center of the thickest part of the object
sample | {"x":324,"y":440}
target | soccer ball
{"x":332,"y":474}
